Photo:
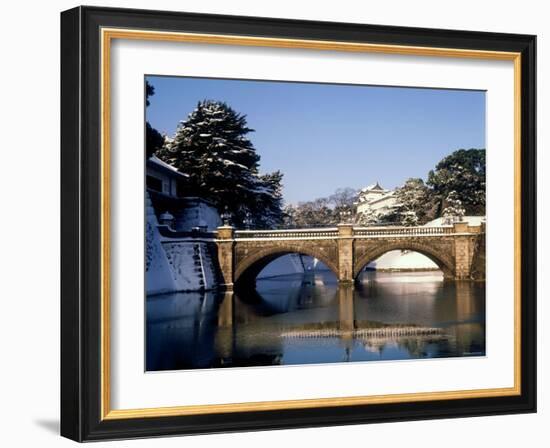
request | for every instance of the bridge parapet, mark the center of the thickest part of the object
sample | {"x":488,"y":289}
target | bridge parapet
{"x":348,"y":230}
{"x":287,"y":234}
{"x":402,"y":231}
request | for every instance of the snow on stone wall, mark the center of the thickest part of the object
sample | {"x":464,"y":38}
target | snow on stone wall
{"x":191,"y":265}
{"x":208,"y":267}
{"x":197,"y":213}
{"x":184,"y":265}
{"x":158,"y":278}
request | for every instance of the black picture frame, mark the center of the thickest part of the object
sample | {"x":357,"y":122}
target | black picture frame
{"x":81,"y":208}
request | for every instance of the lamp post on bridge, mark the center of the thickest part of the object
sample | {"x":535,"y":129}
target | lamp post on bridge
{"x":247,"y":221}
{"x":226,"y":216}
{"x":345,"y":216}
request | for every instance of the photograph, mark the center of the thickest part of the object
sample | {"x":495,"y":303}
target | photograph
{"x":294,"y":223}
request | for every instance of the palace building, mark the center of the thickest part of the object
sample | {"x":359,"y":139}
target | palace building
{"x":166,"y":188}
{"x":376,"y":200}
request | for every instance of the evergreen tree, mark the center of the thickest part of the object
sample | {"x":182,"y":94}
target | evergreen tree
{"x":153,"y":139}
{"x":416,"y":204}
{"x":409,"y":219}
{"x":267,"y":210}
{"x":149,"y":92}
{"x":453,"y":211}
{"x":368,"y":218}
{"x":212,"y":147}
{"x":462,"y":172}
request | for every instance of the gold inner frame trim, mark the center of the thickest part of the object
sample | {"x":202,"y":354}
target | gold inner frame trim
{"x":107,"y":35}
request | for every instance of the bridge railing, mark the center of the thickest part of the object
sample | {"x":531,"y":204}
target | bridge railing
{"x":334,"y":233}
{"x":401,"y":231}
{"x":287,"y":233}
{"x":316,"y":233}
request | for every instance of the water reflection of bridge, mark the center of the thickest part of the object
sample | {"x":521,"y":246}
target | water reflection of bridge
{"x":345,"y":326}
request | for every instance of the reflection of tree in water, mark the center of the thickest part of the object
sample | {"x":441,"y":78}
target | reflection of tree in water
{"x":452,"y":341}
{"x":415,"y":346}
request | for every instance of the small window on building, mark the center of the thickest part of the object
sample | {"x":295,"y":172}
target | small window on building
{"x":154,"y":184}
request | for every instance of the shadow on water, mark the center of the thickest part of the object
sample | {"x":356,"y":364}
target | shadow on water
{"x":303,"y":319}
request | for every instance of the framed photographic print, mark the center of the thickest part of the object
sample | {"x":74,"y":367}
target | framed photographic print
{"x":273,"y":223}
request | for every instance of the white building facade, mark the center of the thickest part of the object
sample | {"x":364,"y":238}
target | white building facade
{"x":375,"y":200}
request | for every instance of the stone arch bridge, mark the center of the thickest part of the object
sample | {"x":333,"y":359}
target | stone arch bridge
{"x":458,"y":250}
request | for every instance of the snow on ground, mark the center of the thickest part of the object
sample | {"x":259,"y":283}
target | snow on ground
{"x":402,"y":260}
{"x":393,"y":260}
{"x":471,"y":220}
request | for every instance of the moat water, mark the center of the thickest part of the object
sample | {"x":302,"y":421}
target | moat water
{"x":305,"y":319}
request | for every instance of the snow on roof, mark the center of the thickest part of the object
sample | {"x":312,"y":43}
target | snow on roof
{"x":154,"y":160}
{"x":373,"y":187}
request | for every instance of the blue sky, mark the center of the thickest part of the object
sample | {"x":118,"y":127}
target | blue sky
{"x":326,"y":136}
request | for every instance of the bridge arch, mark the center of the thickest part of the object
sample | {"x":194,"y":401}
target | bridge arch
{"x":247,"y":269}
{"x":443,"y":261}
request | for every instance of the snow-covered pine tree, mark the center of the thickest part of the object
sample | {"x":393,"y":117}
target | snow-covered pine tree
{"x":415,"y":203}
{"x":367,"y":218}
{"x":267,"y":210}
{"x":212,"y":147}
{"x":463,"y":172}
{"x":454,"y":210}
{"x":153,"y":140}
{"x":409,"y":219}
